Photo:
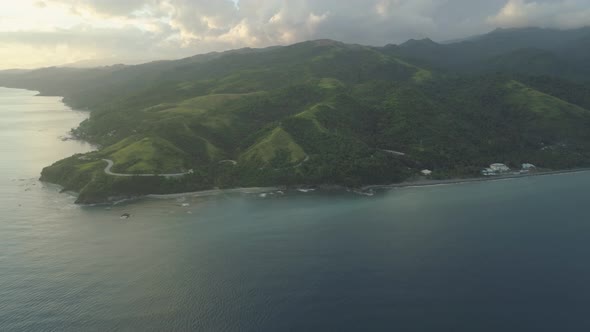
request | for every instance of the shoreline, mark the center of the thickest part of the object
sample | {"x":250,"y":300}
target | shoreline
{"x":368,"y":190}
{"x":116,"y":200}
{"x":430,"y":183}
{"x":215,"y":192}
{"x":363,"y":190}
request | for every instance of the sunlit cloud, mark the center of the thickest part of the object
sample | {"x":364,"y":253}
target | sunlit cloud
{"x":53,"y":32}
{"x":553,"y":14}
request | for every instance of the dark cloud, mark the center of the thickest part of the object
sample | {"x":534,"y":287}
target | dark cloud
{"x":183,"y":27}
{"x":368,"y":21}
{"x":543,"y":13}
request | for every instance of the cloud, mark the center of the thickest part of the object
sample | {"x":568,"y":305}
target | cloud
{"x":27,"y":49}
{"x":177,"y":28}
{"x":268,"y":22}
{"x":548,"y":14}
{"x":103,"y":7}
{"x":196,"y":26}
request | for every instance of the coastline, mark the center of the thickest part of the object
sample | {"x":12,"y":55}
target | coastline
{"x":430,"y":183}
{"x":366,"y":190}
{"x":215,"y":192}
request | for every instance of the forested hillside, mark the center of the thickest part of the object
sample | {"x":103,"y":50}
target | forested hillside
{"x":324,"y":112}
{"x":531,"y":51}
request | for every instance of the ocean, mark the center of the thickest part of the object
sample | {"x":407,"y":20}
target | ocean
{"x":506,"y":255}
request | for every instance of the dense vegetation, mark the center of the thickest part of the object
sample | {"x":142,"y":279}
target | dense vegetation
{"x":325,"y":112}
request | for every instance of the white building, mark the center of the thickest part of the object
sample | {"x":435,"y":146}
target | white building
{"x":495,"y":169}
{"x":499,"y":168}
{"x":488,"y":172}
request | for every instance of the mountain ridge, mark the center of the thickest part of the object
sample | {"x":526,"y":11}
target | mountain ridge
{"x":313,"y":113}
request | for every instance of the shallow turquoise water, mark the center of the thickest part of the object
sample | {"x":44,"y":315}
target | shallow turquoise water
{"x":497,"y":256}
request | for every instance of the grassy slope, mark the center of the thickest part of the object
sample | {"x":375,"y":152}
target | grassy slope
{"x":542,"y":104}
{"x":149,"y":155}
{"x":554,"y":120}
{"x":269,"y":149}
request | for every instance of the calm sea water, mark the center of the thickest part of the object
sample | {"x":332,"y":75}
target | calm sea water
{"x":498,"y":256}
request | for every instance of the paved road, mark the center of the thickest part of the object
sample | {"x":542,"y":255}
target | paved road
{"x":397,"y":153}
{"x":296,"y":166}
{"x":110,"y":164}
{"x":233,"y":162}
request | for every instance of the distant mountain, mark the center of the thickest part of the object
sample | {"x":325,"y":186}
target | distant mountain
{"x":326,"y":112}
{"x":422,"y":44}
{"x":516,"y":48}
{"x":533,"y":62}
{"x":94,"y":63}
{"x":13,"y":71}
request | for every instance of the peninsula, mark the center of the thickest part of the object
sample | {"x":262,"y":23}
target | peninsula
{"x":324,"y":113}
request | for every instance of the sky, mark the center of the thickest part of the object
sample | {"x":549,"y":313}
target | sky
{"x":39,"y":33}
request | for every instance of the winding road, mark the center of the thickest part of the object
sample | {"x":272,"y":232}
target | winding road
{"x":233,"y":162}
{"x":110,"y":164}
{"x":296,"y":166}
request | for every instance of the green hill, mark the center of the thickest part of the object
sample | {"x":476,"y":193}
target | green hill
{"x":319,"y":112}
{"x":531,"y":51}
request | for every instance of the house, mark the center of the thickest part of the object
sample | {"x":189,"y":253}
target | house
{"x":426,"y":172}
{"x":495,"y":169}
{"x":499,"y":168}
{"x":488,"y":172}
